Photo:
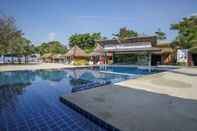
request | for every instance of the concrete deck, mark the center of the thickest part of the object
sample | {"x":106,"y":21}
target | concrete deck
{"x":179,"y":83}
{"x":36,"y":66}
{"x":161,"y":102}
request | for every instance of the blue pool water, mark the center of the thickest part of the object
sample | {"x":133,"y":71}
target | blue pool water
{"x":131,"y":71}
{"x":29,"y":100}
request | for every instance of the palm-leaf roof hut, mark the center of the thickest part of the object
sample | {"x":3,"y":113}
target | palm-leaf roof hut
{"x":76,"y":52}
{"x":97,"y":56}
{"x":58,"y":58}
{"x":98,"y":51}
{"x":48,"y":57}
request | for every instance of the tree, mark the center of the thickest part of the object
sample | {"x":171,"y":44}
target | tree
{"x":187,"y":32}
{"x":125,"y":33}
{"x":54,"y":47}
{"x":160,"y":35}
{"x":8,"y":33}
{"x":27,"y":49}
{"x":10,"y":36}
{"x":42,"y":49}
{"x":85,"y":41}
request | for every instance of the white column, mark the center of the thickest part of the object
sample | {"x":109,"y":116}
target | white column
{"x":149,"y":62}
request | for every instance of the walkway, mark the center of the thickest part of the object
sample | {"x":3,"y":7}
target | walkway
{"x":161,"y":102}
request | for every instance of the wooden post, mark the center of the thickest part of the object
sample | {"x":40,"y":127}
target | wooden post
{"x":105,"y":58}
{"x":112,"y":58}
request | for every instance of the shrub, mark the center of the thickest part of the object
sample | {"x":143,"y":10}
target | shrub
{"x":80,"y":62}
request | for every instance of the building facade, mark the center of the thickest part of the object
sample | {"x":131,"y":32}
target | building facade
{"x":137,"y":50}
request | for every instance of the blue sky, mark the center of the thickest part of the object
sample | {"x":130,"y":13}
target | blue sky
{"x":45,"y":20}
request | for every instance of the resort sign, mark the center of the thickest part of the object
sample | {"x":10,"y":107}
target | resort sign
{"x":128,"y":45}
{"x":182,"y":55}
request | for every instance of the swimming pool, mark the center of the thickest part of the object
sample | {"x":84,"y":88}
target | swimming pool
{"x":29,"y":100}
{"x":129,"y":71}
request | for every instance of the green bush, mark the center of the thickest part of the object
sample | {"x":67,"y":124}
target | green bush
{"x":181,"y":63}
{"x":80,"y":62}
{"x":193,"y":50}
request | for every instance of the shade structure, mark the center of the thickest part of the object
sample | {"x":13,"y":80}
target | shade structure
{"x":58,"y":56}
{"x":48,"y":55}
{"x":98,"y":51}
{"x":76,"y":52}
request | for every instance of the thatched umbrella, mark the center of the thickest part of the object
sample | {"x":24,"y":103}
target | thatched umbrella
{"x":47,"y":57}
{"x":58,"y":56}
{"x":98,"y":51}
{"x":98,"y":55}
{"x":76,"y":52}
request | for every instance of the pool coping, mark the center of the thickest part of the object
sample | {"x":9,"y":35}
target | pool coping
{"x":44,"y":66}
{"x":130,"y":117}
{"x":89,"y":115}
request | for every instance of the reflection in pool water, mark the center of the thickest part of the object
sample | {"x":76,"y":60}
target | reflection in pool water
{"x":29,"y":100}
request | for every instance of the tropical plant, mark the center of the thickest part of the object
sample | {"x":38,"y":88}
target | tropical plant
{"x":125,"y":33}
{"x":54,"y":47}
{"x":9,"y":34}
{"x":187,"y":32}
{"x":85,"y":41}
{"x":160,"y":35}
{"x":12,"y":42}
{"x":80,"y":62}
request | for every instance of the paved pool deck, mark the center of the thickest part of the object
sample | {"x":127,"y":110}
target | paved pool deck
{"x":179,"y":83}
{"x":37,"y":66}
{"x":160,"y":102}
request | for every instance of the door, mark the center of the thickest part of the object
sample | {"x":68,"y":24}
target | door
{"x":155,"y":60}
{"x":194,"y":58}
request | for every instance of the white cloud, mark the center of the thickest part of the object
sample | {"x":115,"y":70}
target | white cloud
{"x":52,"y":36}
{"x":194,"y":14}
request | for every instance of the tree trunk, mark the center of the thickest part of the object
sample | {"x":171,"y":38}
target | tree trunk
{"x":26,"y":59}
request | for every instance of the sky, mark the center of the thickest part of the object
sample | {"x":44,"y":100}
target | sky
{"x":47,"y":20}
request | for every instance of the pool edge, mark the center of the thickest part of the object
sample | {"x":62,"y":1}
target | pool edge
{"x":88,"y":115}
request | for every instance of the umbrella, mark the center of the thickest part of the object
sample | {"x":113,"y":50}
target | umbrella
{"x":76,"y":52}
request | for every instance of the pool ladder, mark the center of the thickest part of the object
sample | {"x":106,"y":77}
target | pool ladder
{"x":103,"y":66}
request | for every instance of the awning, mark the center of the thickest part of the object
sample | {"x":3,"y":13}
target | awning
{"x":164,"y":51}
{"x":134,"y":50}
